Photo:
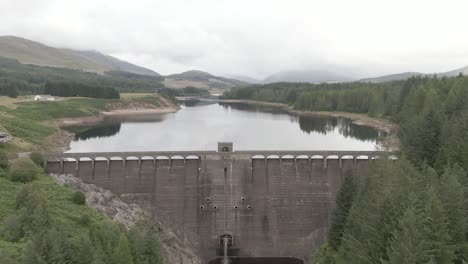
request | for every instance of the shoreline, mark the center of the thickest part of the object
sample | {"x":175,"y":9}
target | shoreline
{"x":391,"y":141}
{"x":102,"y":116}
{"x":61,"y":139}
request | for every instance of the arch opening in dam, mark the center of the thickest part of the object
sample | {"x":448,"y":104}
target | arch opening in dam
{"x":274,"y":204}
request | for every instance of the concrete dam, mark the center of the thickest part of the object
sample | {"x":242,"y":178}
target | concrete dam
{"x":270,"y":205}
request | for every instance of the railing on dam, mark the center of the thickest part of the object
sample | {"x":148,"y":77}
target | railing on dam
{"x":183,"y":155}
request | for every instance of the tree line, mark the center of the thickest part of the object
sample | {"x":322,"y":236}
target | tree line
{"x":71,"y":89}
{"x":432,"y":112}
{"x":18,"y":79}
{"x":186,"y":91}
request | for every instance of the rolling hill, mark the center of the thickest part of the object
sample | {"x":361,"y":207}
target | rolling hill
{"x":200,"y":79}
{"x":35,"y":53}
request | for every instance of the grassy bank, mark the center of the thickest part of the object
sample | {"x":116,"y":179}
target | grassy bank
{"x":30,"y":123}
{"x":63,"y":211}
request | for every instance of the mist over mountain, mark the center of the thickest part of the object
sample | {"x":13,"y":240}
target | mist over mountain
{"x":244,"y":78}
{"x":308,"y":76}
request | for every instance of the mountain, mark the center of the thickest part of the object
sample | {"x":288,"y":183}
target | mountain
{"x":200,"y":79}
{"x":406,"y":75}
{"x":392,"y":77}
{"x":31,"y":52}
{"x":112,"y":63}
{"x":463,"y":71}
{"x":307,"y":76}
{"x":244,"y":78}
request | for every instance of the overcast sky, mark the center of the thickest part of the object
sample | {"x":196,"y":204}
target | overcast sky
{"x":253,"y":37}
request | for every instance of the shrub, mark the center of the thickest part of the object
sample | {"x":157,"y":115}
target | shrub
{"x":24,"y":170}
{"x":85,"y":220}
{"x":7,"y":257}
{"x":37,"y":158}
{"x":12,"y":228}
{"x":3,"y":159}
{"x":79,"y":198}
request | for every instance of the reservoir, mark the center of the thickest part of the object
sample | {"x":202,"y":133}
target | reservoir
{"x":200,"y":125}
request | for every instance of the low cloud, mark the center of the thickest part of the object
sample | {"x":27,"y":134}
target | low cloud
{"x":254,"y":38}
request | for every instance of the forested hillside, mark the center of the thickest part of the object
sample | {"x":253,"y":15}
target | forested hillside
{"x":432,"y":112}
{"x":43,"y":222}
{"x":17,"y":78}
{"x":414,"y":210}
{"x":35,"y":53}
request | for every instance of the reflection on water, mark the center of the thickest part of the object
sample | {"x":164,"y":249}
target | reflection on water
{"x":200,"y":125}
{"x":345,"y":126}
{"x":106,"y":129}
{"x":318,"y":124}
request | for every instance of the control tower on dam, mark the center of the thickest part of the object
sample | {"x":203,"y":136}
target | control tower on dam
{"x":269,"y":204}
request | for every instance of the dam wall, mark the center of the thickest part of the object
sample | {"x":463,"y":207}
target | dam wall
{"x":272,"y":203}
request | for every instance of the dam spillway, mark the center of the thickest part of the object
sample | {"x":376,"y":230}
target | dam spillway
{"x":272,"y":203}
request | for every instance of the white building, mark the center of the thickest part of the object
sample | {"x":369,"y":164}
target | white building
{"x":43,"y":98}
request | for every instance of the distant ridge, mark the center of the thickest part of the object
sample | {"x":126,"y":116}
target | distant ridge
{"x":407,"y":75}
{"x":456,"y":72}
{"x":307,"y":76}
{"x":112,"y":63}
{"x":392,"y":77}
{"x":31,"y":52}
{"x":200,"y":79}
{"x":244,"y":78}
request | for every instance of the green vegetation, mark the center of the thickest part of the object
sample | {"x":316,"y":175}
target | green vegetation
{"x":79,"y":198}
{"x":3,"y":159}
{"x":73,"y":89}
{"x":17,"y":78}
{"x":187,"y":91}
{"x":413,"y":210}
{"x":37,"y":158}
{"x":41,"y":223}
{"x":23,"y":170}
{"x":401,"y":215}
{"x":28,"y":120}
{"x":431,"y":112}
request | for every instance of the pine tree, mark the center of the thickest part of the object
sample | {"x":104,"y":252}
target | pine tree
{"x":452,"y":195}
{"x":145,"y":244}
{"x":85,"y":251}
{"x":344,"y":201}
{"x":407,"y":245}
{"x":43,"y":249}
{"x":122,"y":254}
{"x":436,"y":235}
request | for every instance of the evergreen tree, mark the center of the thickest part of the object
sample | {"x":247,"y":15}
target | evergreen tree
{"x":85,"y":253}
{"x":145,"y":244}
{"x":43,"y":249}
{"x":436,"y":235}
{"x":122,"y":254}
{"x":344,"y":201}
{"x":407,"y":244}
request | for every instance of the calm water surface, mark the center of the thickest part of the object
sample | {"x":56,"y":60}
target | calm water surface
{"x":200,"y":125}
